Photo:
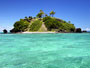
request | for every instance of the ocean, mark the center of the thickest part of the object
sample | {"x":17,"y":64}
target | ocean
{"x":64,"y":50}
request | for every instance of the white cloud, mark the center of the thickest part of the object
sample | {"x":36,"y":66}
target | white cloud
{"x":8,"y":28}
{"x":1,"y":29}
{"x":87,"y":29}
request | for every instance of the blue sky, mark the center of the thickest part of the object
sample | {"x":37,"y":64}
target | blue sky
{"x":76,"y":11}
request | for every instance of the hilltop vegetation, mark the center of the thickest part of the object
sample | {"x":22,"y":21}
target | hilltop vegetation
{"x":43,"y":23}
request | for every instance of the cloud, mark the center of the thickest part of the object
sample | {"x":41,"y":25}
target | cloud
{"x":7,"y":28}
{"x":88,"y":29}
{"x":1,"y":28}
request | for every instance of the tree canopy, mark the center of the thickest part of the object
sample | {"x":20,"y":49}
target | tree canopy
{"x":52,"y":13}
{"x":21,"y":26}
{"x":40,"y":14}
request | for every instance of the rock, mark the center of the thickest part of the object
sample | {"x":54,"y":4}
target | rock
{"x":13,"y":31}
{"x":62,"y":31}
{"x":78,"y":30}
{"x":5,"y":31}
{"x":84,"y":31}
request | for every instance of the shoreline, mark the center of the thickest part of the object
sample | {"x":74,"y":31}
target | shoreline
{"x":37,"y":32}
{"x":40,"y":32}
{"x":47,"y":32}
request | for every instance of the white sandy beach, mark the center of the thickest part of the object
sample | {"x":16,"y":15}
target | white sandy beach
{"x":37,"y":32}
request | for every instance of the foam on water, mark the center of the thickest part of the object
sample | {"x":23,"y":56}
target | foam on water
{"x":45,"y":50}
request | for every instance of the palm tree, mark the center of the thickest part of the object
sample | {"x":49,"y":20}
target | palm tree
{"x":26,"y":17}
{"x":42,"y":13}
{"x":69,"y":21}
{"x":52,"y":13}
{"x":30,"y":18}
{"x":39,"y":15}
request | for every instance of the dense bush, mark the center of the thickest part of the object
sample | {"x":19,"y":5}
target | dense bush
{"x":46,"y":18}
{"x":21,"y":26}
{"x":54,"y":23}
{"x":51,"y":23}
{"x":68,"y":27}
{"x":30,"y":17}
{"x":35,"y":26}
{"x":60,"y":20}
{"x":72,"y":28}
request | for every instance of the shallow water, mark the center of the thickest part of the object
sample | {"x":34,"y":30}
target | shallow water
{"x":68,"y":50}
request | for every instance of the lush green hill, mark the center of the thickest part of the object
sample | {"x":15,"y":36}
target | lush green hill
{"x":43,"y":23}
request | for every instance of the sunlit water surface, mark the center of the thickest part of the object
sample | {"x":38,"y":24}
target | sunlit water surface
{"x":68,"y":50}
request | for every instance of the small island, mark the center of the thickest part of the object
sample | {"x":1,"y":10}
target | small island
{"x":44,"y":23}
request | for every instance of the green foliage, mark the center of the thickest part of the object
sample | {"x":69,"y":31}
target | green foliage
{"x":46,"y":18}
{"x":30,"y":18}
{"x":34,"y":17}
{"x":41,"y":11}
{"x":35,"y":26}
{"x":60,"y":20}
{"x":46,"y":15}
{"x":40,"y":14}
{"x":22,"y":20}
{"x":69,"y":21}
{"x":52,"y":23}
{"x":21,"y":26}
{"x":64,"y":22}
{"x":52,"y":13}
{"x":68,"y":27}
{"x":25,"y":17}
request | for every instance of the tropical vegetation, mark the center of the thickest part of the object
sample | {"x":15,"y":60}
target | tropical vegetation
{"x":43,"y":22}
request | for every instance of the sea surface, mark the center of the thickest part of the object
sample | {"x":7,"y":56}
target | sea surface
{"x":65,"y":50}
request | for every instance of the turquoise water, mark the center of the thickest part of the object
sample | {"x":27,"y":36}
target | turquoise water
{"x":45,"y":50}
